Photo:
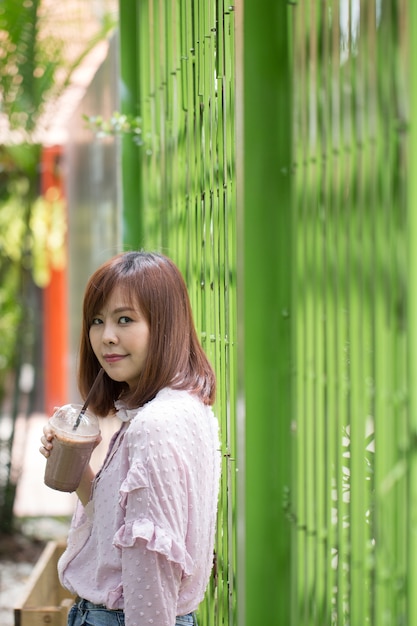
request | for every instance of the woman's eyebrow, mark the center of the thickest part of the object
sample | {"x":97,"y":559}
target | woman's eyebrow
{"x":121,"y":309}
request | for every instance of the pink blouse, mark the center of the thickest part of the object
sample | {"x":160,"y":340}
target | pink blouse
{"x":144,"y":543}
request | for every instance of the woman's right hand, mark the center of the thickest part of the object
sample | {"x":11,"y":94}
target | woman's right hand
{"x":46,"y":440}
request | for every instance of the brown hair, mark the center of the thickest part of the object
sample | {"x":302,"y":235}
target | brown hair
{"x":175,"y":357}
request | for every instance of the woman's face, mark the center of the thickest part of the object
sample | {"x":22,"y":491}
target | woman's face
{"x":119,"y":336}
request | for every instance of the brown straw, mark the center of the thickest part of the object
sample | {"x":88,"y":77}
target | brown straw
{"x":88,"y":398}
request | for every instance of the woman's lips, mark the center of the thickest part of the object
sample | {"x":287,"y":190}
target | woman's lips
{"x":113,"y":358}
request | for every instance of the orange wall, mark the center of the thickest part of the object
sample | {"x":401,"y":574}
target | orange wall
{"x":55,"y":310}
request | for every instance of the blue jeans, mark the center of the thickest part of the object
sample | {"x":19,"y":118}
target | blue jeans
{"x":85,"y":613}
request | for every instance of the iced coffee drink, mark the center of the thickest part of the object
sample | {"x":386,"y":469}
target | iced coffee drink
{"x":73,"y":442}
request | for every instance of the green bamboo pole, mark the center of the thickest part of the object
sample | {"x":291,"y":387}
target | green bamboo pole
{"x":412,"y":299}
{"x":131,"y":187}
{"x":267,"y":310}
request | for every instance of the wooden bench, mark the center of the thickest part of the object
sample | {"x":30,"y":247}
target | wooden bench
{"x":45,"y":601}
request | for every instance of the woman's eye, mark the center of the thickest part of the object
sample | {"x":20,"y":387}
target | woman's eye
{"x":124,"y":319}
{"x":96,"y":321}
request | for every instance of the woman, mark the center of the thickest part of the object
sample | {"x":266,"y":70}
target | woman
{"x":140,"y":545}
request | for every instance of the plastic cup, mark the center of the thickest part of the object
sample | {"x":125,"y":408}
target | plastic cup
{"x":71,"y":449}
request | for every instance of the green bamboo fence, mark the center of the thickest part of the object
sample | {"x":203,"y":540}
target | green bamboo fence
{"x":319,"y":253}
{"x":182,"y":55}
{"x":351,"y":286}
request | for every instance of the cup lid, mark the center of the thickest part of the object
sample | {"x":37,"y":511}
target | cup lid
{"x":66,"y":416}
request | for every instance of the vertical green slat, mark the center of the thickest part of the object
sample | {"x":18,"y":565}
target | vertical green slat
{"x":311,"y":323}
{"x":220,"y":33}
{"x":299,"y":607}
{"x":310,"y":414}
{"x":329,"y":336}
{"x":184,"y":46}
{"x":357,"y":250}
{"x":321,"y":320}
{"x":346,"y":460}
{"x":370,"y":213}
{"x":337,"y":323}
{"x":412,"y":315}
{"x":384,"y":460}
{"x":332,"y":376}
{"x":401,"y":344}
{"x":266,"y":254}
{"x":131,"y":163}
{"x":343,"y":182}
{"x":321,"y":454}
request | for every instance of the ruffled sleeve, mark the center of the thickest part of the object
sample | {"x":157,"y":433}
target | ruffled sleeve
{"x":136,"y":478}
{"x":156,"y":539}
{"x":146,"y":520}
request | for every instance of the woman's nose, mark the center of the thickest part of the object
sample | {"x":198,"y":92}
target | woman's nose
{"x":109,"y":334}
